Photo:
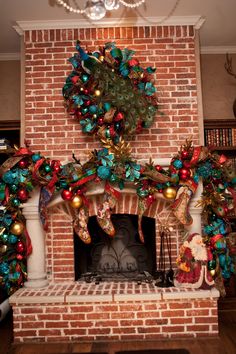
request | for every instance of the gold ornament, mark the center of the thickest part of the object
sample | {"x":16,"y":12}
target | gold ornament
{"x":213,"y":272}
{"x":17,"y":228}
{"x":97,"y":93}
{"x":169,"y":193}
{"x":76,"y":202}
{"x":3,"y":248}
{"x":101,"y":58}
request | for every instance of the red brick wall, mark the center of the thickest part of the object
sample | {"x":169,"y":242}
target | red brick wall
{"x":139,"y":320}
{"x":171,"y":49}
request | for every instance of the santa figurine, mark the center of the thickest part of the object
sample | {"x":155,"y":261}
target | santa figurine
{"x":192,"y":264}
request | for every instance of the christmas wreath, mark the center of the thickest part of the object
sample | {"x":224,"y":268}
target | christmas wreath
{"x":109,"y":92}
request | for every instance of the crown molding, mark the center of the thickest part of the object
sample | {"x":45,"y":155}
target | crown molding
{"x":218,"y":49}
{"x":9,"y":56}
{"x":195,"y":21}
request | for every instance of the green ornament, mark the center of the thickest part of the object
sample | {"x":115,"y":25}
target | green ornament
{"x":84,"y":110}
{"x":13,"y":188}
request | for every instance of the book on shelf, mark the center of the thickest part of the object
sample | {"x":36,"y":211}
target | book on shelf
{"x":223,"y":137}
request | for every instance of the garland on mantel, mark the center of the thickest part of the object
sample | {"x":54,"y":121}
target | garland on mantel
{"x":112,"y":114}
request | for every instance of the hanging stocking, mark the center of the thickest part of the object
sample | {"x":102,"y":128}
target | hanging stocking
{"x":181,"y":203}
{"x":142,"y":207}
{"x":104,"y":210}
{"x":80,"y":223}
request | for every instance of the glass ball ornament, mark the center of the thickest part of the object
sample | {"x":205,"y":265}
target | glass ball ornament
{"x":22,"y":194}
{"x":36,"y":157}
{"x":95,"y":9}
{"x":169,"y":192}
{"x":111,"y":4}
{"x":66,"y":194}
{"x":47,"y":168}
{"x":17,"y":228}
{"x":23,"y":163}
{"x":12,"y":239}
{"x":4,"y":237}
{"x":15,"y":202}
{"x":76,"y":202}
{"x":20,"y":247}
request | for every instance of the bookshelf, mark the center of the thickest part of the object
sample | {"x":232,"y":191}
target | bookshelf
{"x":221,"y":134}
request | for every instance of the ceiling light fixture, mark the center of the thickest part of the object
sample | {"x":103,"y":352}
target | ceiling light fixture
{"x":96,"y":9}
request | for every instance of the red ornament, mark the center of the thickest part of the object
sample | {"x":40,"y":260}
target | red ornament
{"x":187,"y":164}
{"x":158,"y":168}
{"x":119,"y":116}
{"x":150,"y":199}
{"x":56,"y":166}
{"x":100,"y":121}
{"x":74,"y":79}
{"x":66,"y":194}
{"x":19,"y":257}
{"x":86,"y":91}
{"x":222,"y":159}
{"x":20,"y":247}
{"x":22,"y":194}
{"x":87,"y":103}
{"x":184,"y":154}
{"x":184,"y":173}
{"x":23,"y":163}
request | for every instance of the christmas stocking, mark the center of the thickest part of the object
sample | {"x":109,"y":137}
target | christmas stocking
{"x":104,"y":210}
{"x":80,"y":224}
{"x":181,"y":203}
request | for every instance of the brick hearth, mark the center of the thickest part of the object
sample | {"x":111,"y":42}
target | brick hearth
{"x":113,"y":311}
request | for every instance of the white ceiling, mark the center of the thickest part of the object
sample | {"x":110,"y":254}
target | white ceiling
{"x":218,"y":32}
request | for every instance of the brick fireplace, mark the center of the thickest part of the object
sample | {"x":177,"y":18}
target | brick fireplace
{"x":52,"y":306}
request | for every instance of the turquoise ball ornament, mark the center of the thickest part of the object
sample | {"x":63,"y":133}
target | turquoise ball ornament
{"x":15,"y":202}
{"x":12,"y":238}
{"x":36,"y":157}
{"x":4,"y":237}
{"x":47,"y":168}
{"x":84,"y":78}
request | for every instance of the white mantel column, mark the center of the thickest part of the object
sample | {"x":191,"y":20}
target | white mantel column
{"x":195,"y":212}
{"x":36,"y":265}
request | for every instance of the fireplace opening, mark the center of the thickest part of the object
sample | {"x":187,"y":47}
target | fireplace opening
{"x":119,"y":258}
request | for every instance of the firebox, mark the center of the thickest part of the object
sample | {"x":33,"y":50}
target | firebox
{"x":119,"y":258}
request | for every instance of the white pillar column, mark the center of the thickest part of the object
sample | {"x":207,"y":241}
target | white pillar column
{"x":36,"y":265}
{"x":196,"y":212}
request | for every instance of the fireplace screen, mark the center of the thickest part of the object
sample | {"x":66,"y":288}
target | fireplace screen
{"x":122,"y":257}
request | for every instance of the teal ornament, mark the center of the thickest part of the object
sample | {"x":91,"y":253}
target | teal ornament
{"x":84,"y":78}
{"x":15,"y":202}
{"x":211,"y":264}
{"x":103,"y":172}
{"x":93,"y":109}
{"x":36,"y":157}
{"x":4,"y":268}
{"x":47,"y":168}
{"x":13,"y":188}
{"x":142,"y":192}
{"x":113,"y":178}
{"x":4,"y":237}
{"x":12,"y":238}
{"x":177,"y":164}
{"x":9,"y":177}
{"x":84,"y":110}
{"x":14,"y":276}
{"x":107,"y":106}
{"x":220,"y":245}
